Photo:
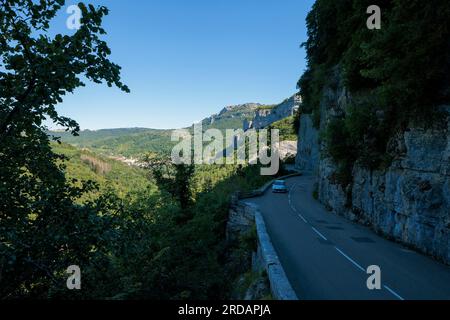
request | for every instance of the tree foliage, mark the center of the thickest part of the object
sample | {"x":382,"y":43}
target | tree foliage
{"x":173,"y":178}
{"x":42,"y":229}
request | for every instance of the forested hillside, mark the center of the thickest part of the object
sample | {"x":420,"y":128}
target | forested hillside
{"x":136,"y":142}
{"x":126,"y":142}
{"x":287,"y":129}
{"x":108,"y":174}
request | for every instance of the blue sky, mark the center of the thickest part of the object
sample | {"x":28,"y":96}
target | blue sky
{"x":184,"y":60}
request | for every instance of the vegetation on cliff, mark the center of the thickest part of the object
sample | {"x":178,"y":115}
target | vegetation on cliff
{"x":286,"y":127}
{"x":394,"y":75}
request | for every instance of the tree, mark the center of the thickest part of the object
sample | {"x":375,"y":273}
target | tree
{"x":42,"y":230}
{"x":173,"y":178}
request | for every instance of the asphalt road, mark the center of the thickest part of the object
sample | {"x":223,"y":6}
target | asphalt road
{"x":326,"y":256}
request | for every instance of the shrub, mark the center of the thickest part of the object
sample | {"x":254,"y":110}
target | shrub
{"x":361,"y":136}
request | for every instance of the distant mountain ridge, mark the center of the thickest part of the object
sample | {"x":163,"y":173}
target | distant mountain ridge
{"x":232,"y":117}
{"x":134,"y":142}
{"x":128,"y":142}
{"x":267,"y":115}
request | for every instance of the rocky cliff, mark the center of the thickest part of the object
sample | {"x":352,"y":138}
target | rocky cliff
{"x":408,"y":201}
{"x":239,"y":113}
{"x":265,"y":115}
{"x":308,"y":146}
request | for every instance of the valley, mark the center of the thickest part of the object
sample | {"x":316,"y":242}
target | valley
{"x":129,"y":145}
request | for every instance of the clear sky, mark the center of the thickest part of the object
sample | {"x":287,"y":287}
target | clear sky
{"x":185,"y":60}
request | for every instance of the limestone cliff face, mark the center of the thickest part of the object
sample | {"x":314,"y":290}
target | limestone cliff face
{"x":408,"y":202}
{"x":266,"y":116}
{"x":308,"y":146}
{"x":240,"y":111}
{"x":287,"y":149}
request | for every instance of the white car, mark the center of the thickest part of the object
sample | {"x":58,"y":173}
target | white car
{"x":279,"y":186}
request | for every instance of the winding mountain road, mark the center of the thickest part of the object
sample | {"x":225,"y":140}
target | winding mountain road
{"x":326,"y":256}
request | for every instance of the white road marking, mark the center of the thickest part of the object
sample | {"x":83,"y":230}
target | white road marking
{"x":303,"y":218}
{"x":337,"y":249}
{"x":290,"y":199}
{"x":321,"y":235}
{"x":293,"y":207}
{"x":394,"y":293}
{"x":350,"y":259}
{"x":362,"y":269}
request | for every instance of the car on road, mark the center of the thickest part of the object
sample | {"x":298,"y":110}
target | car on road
{"x":279,"y":186}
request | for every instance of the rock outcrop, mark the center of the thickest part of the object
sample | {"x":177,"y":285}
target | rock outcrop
{"x":287,"y":149}
{"x":409,"y":201}
{"x":240,"y":111}
{"x":308,"y":146}
{"x":265,"y":116}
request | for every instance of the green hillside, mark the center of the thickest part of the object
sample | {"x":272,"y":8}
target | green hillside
{"x":127,"y":142}
{"x":232,"y":117}
{"x":287,"y":129}
{"x":107,"y":173}
{"x":135,"y":142}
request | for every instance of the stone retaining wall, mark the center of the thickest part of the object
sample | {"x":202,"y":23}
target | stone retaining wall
{"x":242,"y":217}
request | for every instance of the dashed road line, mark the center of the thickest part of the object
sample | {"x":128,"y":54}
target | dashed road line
{"x":290,"y":199}
{"x":321,"y":235}
{"x":337,"y":249}
{"x":350,"y":259}
{"x":303,"y":218}
{"x":363,"y":270}
{"x":394,"y":293}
